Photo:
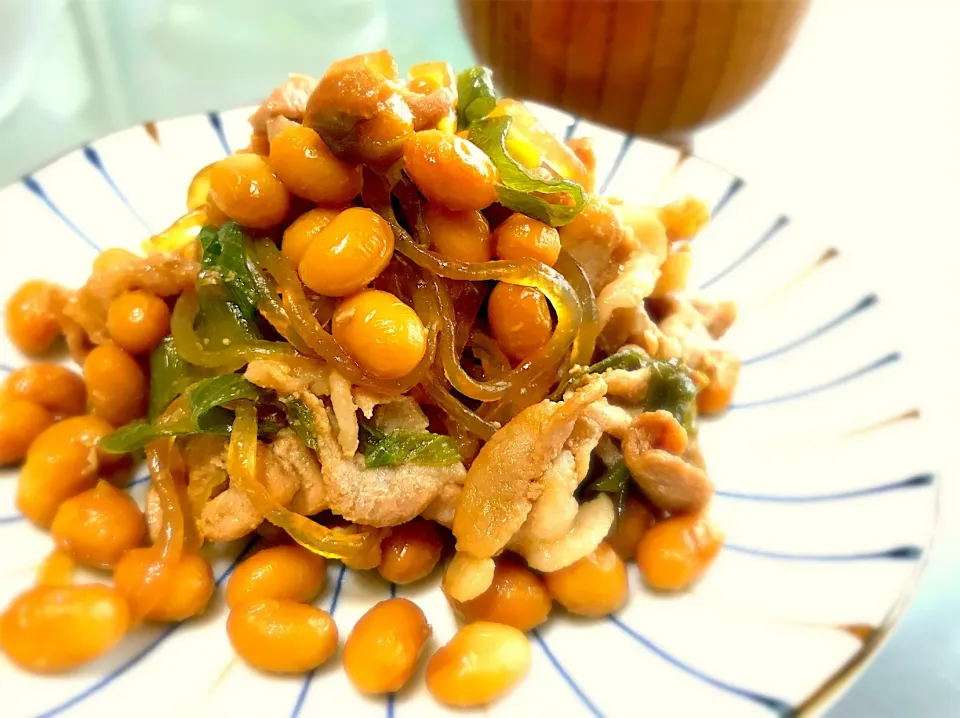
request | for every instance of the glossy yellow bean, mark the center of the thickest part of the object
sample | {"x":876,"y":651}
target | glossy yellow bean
{"x":594,"y":586}
{"x":382,"y":650}
{"x":308,"y":169}
{"x":304,"y":229}
{"x":288,"y":572}
{"x":116,"y":385}
{"x":450,"y":170}
{"x":49,"y":629}
{"x":245,"y":188}
{"x":520,"y":237}
{"x":96,"y":527}
{"x":138,"y":321}
{"x":56,"y":388}
{"x":282,"y":636}
{"x":517,"y":597}
{"x":410,"y":552}
{"x":348,"y":253}
{"x":464,"y":236}
{"x":383,"y":334}
{"x":479,"y":665}
{"x":191,"y":585}
{"x":32,"y":316}
{"x":61,"y":463}
{"x":677,"y":551}
{"x":519,"y":319}
{"x":626,"y":533}
{"x":21,"y":422}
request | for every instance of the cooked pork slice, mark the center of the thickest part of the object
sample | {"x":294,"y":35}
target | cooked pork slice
{"x":288,"y":100}
{"x":506,"y":478}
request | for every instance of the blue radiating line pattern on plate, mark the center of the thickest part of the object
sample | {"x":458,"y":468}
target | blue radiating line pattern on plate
{"x":781,"y":707}
{"x":897,"y":553}
{"x":772,"y":232}
{"x":93,"y":157}
{"x":14,"y":518}
{"x":868,"y":301}
{"x":305,"y":688}
{"x":883,"y":361}
{"x":216,"y":122}
{"x":142,"y":653}
{"x":912,"y":482}
{"x":567,"y":678}
{"x":37,"y":189}
{"x":391,"y":697}
{"x":138,"y":481}
{"x":571,"y":130}
{"x":735,"y":186}
{"x":621,"y":154}
{"x":6,"y":368}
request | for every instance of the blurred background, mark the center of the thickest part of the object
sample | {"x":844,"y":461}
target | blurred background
{"x":856,"y":135}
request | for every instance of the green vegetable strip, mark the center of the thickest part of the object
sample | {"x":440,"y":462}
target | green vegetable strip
{"x":170,"y":375}
{"x":476,"y":96}
{"x":301,"y":421}
{"x":671,"y":386}
{"x":218,"y":391}
{"x":220,"y":323}
{"x":224,"y":255}
{"x":616,"y":481}
{"x":406,"y":447}
{"x":231,"y":355}
{"x":519,"y":189}
{"x":204,"y":415}
{"x":627,"y":358}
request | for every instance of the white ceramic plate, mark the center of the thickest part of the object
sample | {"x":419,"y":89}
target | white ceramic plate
{"x":828,"y":515}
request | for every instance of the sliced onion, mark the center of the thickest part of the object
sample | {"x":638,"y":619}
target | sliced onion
{"x":456,"y":410}
{"x":193,"y":350}
{"x":159,"y":579}
{"x":242,"y":468}
{"x":528,"y":274}
{"x":586,"y":340}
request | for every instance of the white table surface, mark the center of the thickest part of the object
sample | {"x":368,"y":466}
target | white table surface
{"x":857,"y":136}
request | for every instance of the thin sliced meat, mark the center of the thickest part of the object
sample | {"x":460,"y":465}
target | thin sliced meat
{"x":288,"y":99}
{"x":695,"y":332}
{"x":381,"y":496}
{"x":595,"y":240}
{"x":653,"y":451}
{"x":287,"y":379}
{"x":430,"y":108}
{"x":629,"y":385}
{"x":229,"y":514}
{"x":554,"y":513}
{"x":164,"y":275}
{"x":593,"y":522}
{"x":506,"y":477}
{"x":443,"y":508}
{"x":228,"y":517}
{"x":345,"y":411}
{"x":291,"y":472}
{"x":631,"y":286}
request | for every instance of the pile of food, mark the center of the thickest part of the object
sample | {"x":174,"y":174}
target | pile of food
{"x":398,"y":327}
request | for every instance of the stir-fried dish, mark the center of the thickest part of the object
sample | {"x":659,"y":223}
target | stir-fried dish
{"x":398,"y":327}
